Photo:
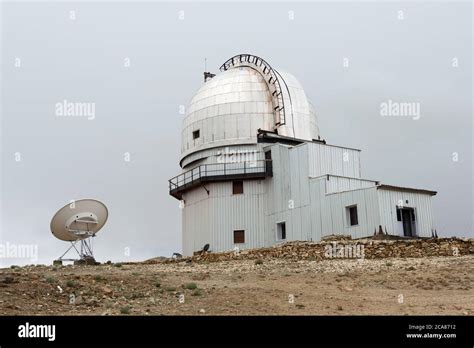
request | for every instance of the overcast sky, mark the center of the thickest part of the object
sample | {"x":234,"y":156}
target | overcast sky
{"x":138,"y":62}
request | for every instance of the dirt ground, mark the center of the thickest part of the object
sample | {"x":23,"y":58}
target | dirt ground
{"x":416,"y":286}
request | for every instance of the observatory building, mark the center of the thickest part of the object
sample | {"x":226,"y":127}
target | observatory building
{"x":256,"y":172}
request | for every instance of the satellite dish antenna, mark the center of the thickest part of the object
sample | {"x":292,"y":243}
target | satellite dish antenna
{"x":76,"y":223}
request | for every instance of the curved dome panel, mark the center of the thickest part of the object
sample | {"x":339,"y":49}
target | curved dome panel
{"x":246,"y":96}
{"x":301,"y":122}
{"x":227,"y":110}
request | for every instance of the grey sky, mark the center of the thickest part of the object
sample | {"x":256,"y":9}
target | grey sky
{"x":137,"y":108}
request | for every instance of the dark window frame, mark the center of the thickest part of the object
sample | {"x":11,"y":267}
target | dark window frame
{"x":281,"y":226}
{"x":353,"y":215}
{"x":237,"y":187}
{"x":196,"y":134}
{"x":239,"y":236}
{"x":399,"y":214}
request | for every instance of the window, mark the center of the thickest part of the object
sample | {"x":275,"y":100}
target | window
{"x":268,"y":162}
{"x":237,"y":187}
{"x":352,"y":215}
{"x":399,"y":214}
{"x":281,"y":231}
{"x":239,"y":236}
{"x":196,"y":134}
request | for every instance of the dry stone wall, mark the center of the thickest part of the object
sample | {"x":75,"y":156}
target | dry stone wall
{"x":345,"y":248}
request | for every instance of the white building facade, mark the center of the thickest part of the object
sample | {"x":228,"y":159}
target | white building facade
{"x":255,"y":171}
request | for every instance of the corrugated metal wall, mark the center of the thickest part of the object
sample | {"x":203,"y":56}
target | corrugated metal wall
{"x":238,"y":212}
{"x":367,"y":211}
{"x":328,"y":159}
{"x":311,"y":206}
{"x":213,"y":218}
{"x":211,"y":156}
{"x":196,"y":214}
{"x":338,"y":184}
{"x":279,"y":193}
{"x":388,"y":201}
{"x":329,"y":215}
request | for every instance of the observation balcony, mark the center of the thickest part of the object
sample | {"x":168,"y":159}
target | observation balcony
{"x":205,"y":173}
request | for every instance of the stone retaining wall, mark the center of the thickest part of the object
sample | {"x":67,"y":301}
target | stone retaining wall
{"x":346,"y":248}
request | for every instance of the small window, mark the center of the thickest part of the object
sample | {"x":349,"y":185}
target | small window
{"x":268,"y":162}
{"x":239,"y":236}
{"x":196,"y":134}
{"x":281,"y":231}
{"x":352,"y":215}
{"x":237,"y":187}
{"x":399,"y":214}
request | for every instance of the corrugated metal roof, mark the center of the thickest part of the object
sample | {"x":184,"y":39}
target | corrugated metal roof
{"x":406,"y":189}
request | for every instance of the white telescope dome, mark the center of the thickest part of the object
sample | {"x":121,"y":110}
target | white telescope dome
{"x":246,"y":96}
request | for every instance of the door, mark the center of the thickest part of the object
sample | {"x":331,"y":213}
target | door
{"x":407,"y":223}
{"x":268,"y":163}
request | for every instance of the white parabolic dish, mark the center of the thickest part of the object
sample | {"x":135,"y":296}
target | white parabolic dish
{"x":79,"y":220}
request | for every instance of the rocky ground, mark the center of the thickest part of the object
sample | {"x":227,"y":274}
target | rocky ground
{"x":269,"y":286}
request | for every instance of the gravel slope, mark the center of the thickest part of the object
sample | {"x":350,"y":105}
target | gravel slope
{"x":412,"y":286}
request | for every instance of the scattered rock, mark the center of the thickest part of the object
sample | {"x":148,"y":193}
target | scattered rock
{"x":201,"y":276}
{"x":106,"y":290}
{"x":7,"y":279}
{"x":335,"y":237}
{"x":387,"y":247}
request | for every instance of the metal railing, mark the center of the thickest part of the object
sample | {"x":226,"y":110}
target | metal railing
{"x":221,"y":171}
{"x":269,"y":75}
